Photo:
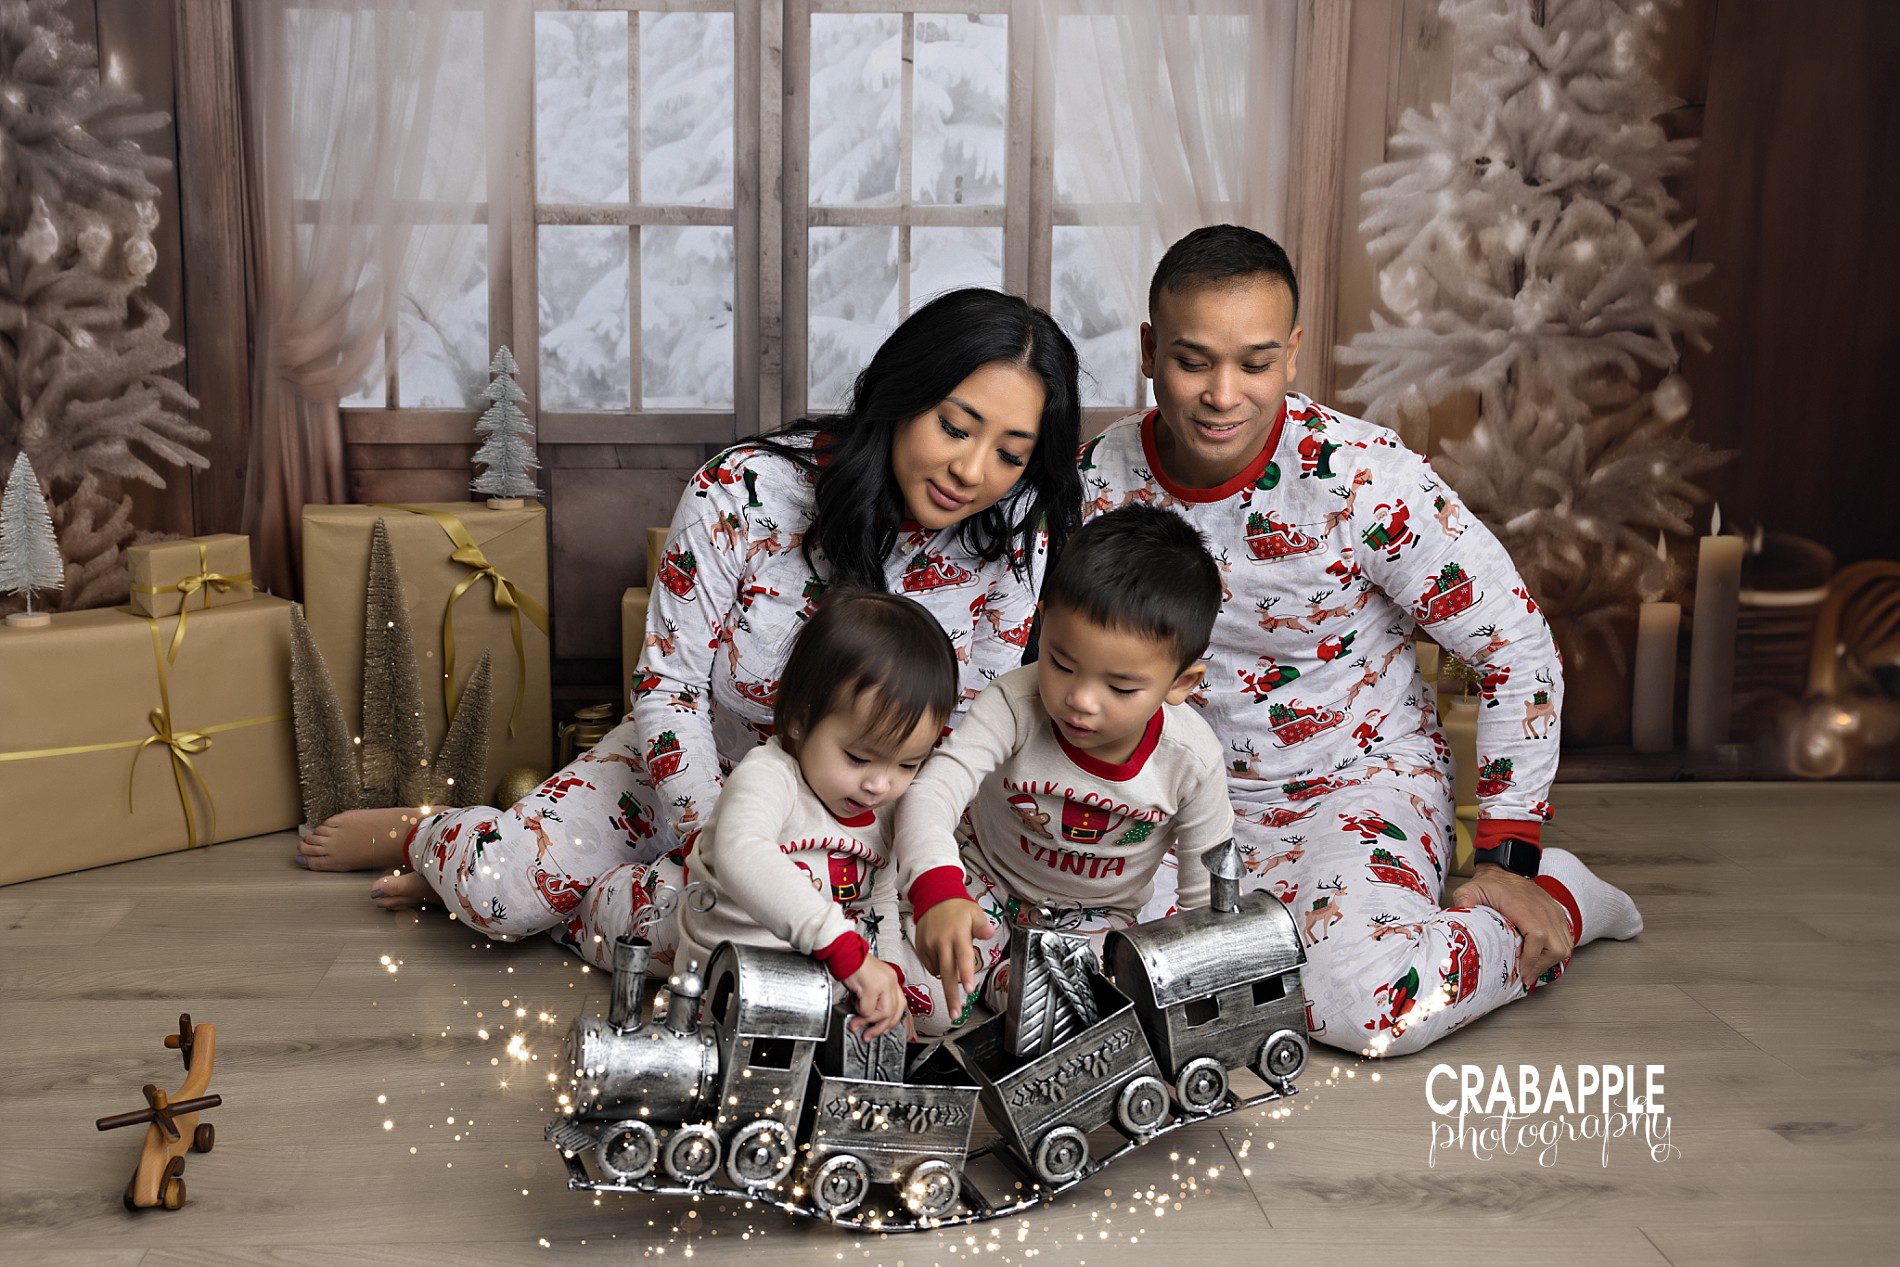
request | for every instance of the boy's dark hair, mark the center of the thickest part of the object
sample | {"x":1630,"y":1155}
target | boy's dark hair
{"x":1221,"y":253}
{"x":1145,"y":570}
{"x":860,"y":640}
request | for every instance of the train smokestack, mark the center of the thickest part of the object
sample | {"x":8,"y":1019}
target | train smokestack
{"x":1224,"y":865}
{"x":630,"y":977}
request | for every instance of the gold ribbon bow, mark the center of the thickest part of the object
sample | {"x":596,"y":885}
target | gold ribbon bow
{"x":203,"y":579}
{"x":505,"y":593}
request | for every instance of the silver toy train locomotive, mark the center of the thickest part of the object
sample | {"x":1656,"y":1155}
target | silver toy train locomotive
{"x":751,"y":1073}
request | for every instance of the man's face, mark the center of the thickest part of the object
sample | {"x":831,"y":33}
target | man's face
{"x":1221,"y":357}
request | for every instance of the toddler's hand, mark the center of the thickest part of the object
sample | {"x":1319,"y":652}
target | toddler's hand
{"x":947,"y":934}
{"x":879,"y":1001}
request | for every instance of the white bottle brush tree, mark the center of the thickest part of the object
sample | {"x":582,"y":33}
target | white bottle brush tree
{"x":1527,"y":254}
{"x":84,"y":356}
{"x":29,"y":550}
{"x":507,"y":452}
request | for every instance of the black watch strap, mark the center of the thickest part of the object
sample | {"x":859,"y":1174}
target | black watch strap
{"x":1520,"y":857}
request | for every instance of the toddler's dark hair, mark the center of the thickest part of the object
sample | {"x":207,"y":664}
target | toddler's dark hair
{"x":1145,"y":570}
{"x":1221,"y":254}
{"x":857,"y":641}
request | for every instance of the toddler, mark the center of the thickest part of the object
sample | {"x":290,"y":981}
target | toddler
{"x":796,"y":848}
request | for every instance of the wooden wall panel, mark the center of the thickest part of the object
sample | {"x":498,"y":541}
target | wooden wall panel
{"x":600,"y":548}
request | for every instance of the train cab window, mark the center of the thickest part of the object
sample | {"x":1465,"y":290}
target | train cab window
{"x":773,"y":1053}
{"x":721,"y":1009}
{"x":1269,"y":990}
{"x":1201,"y":1011}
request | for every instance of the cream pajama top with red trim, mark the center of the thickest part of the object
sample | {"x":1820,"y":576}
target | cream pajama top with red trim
{"x":1336,"y":547}
{"x":733,"y":590}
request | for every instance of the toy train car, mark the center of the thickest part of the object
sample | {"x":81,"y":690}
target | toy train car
{"x":767,"y":1079}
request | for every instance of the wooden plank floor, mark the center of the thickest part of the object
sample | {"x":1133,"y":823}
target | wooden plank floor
{"x":385,"y":1079}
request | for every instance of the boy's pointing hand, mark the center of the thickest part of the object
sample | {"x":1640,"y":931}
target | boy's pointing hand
{"x":947,"y":934}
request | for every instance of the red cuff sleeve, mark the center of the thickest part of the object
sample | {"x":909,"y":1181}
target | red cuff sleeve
{"x":939,"y":884}
{"x":409,"y":841}
{"x":844,"y":956}
{"x":1493,"y":831}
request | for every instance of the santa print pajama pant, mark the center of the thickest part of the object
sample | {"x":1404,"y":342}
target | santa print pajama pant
{"x":1388,"y":971}
{"x":563,"y":860}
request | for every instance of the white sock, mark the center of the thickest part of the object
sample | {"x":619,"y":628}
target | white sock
{"x":1605,"y":910}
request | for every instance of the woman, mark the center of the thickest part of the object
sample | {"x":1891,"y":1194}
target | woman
{"x":948,"y":478}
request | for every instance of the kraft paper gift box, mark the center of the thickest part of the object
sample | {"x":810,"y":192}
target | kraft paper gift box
{"x":113,"y":748}
{"x":473,"y":578}
{"x":189,"y":575}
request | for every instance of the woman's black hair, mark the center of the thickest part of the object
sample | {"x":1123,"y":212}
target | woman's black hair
{"x":863,"y":640}
{"x":859,"y":507}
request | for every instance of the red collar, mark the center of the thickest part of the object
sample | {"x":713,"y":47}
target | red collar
{"x":1220,"y":492}
{"x":1114,"y":772}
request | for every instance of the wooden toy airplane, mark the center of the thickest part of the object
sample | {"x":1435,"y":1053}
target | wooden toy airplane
{"x":174,"y":1126}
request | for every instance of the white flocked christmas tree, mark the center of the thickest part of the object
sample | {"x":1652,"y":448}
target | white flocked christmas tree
{"x":29,"y":552}
{"x":1528,"y":254}
{"x":83,"y":350}
{"x":507,"y":453}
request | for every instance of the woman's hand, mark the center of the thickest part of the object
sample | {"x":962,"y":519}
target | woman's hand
{"x":880,"y":1003}
{"x":946,"y":935}
{"x":1535,"y":914}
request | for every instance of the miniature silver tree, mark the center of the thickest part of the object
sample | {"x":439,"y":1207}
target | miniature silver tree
{"x":29,"y":550}
{"x":507,"y":454}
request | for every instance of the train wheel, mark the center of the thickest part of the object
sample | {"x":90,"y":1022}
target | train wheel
{"x":761,"y":1155}
{"x":173,"y":1193}
{"x":839,"y":1185}
{"x":1281,"y":1059}
{"x":203,"y":1137}
{"x":930,"y":1192}
{"x":1202,"y":1085}
{"x":692,"y":1155}
{"x":1062,"y":1155}
{"x":1143,"y":1107}
{"x":628,"y":1151}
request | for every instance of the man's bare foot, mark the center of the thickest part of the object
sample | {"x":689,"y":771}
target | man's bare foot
{"x":358,"y":840}
{"x":401,"y":891}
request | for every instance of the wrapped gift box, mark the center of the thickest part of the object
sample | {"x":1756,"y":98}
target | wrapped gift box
{"x":96,"y":706}
{"x":471,"y":574}
{"x":189,"y":575}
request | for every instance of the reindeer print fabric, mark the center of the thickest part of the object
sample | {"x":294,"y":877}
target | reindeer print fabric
{"x":1336,"y":546}
{"x":732,"y":591}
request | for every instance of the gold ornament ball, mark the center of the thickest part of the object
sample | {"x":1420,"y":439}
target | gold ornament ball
{"x":517,"y":784}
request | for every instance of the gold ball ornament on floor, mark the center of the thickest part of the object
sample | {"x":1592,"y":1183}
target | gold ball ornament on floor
{"x":517,"y":784}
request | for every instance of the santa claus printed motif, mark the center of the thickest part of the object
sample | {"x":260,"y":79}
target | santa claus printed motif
{"x":1391,"y":529}
{"x":1316,"y":451}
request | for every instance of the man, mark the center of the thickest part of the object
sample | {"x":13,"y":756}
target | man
{"x":1337,"y":545}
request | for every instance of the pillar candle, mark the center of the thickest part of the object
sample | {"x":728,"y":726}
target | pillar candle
{"x":1653,"y":702}
{"x":1718,"y":583}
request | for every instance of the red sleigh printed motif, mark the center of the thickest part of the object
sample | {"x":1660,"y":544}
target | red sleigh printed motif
{"x":679,"y":572}
{"x":664,"y":756}
{"x":561,"y":893}
{"x":1386,"y":867}
{"x":1296,"y":723}
{"x":1460,"y":973}
{"x":1307,"y":789}
{"x":1494,"y":776}
{"x":764,"y":694}
{"x":1448,"y":593}
{"x":1270,"y":541}
{"x":929,"y":572}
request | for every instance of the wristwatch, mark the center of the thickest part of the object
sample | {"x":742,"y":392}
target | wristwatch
{"x":1520,"y":857}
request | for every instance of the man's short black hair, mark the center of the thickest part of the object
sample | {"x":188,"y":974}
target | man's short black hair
{"x":1217,"y":254}
{"x":1145,"y":570}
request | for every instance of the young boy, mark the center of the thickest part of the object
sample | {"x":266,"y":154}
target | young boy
{"x":1085,"y":767}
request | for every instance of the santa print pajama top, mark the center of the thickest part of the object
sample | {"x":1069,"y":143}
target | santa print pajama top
{"x":1335,"y":545}
{"x":734,"y":589}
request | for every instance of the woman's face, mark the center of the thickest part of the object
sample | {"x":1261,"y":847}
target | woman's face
{"x":964,"y":455}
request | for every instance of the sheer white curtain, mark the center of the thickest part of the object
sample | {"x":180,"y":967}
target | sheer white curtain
{"x":364,"y":125}
{"x":1169,"y":115}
